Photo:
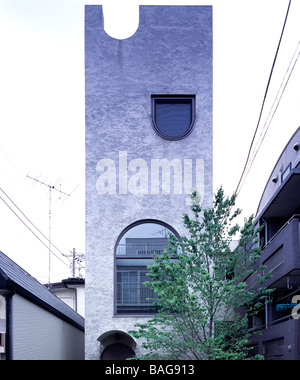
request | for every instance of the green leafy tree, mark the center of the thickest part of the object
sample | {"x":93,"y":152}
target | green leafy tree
{"x":204,"y":303}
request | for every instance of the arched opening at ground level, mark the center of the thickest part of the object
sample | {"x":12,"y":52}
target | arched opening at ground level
{"x":116,"y":345}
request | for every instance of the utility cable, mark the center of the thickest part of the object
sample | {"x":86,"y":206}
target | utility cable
{"x":33,"y":232}
{"x":31,"y":222}
{"x":273,"y":108}
{"x":264,"y":99}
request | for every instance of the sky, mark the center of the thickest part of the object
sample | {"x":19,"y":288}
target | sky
{"x":42,"y":117}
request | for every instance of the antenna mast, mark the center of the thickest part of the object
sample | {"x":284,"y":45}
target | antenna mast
{"x":51,"y":188}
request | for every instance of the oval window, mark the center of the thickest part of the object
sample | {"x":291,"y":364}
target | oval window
{"x":173,"y":115}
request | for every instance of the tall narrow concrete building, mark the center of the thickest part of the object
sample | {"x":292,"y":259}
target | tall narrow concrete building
{"x":149,"y":140}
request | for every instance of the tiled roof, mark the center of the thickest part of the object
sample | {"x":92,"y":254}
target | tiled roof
{"x":14,"y":277}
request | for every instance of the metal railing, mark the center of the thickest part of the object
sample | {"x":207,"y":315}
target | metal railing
{"x":140,"y":249}
{"x":133,"y":293}
{"x":295,"y":216}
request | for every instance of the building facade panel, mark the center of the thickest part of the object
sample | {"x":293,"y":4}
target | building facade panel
{"x":279,"y":212}
{"x":288,"y":160}
{"x":40,"y":335}
{"x":279,"y":342}
{"x":132,"y":173}
{"x":281,"y":255}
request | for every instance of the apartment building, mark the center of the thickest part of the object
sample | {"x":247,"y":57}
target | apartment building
{"x":279,"y":212}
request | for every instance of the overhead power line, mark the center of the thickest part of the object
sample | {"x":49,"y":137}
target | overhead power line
{"x":264,"y":100}
{"x":21,"y":212}
{"x":26,"y":225}
{"x":273,"y":109}
{"x":78,"y":258}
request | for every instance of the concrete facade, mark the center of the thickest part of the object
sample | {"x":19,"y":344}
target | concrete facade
{"x":171,"y":53}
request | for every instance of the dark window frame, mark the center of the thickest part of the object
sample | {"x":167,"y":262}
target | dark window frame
{"x":286,"y":172}
{"x":141,"y":257}
{"x":169,"y":99}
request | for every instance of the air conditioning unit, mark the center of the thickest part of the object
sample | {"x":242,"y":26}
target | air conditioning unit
{"x":2,"y":343}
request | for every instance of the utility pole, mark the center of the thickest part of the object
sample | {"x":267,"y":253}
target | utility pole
{"x":50,"y":188}
{"x":73,"y":271}
{"x":77,"y":257}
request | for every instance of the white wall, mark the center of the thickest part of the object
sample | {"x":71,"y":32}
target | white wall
{"x":2,"y":308}
{"x":40,"y":335}
{"x":73,"y":297}
{"x":67,"y":295}
{"x":81,"y":300}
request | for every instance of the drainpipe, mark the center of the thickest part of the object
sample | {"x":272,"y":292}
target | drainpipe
{"x":7,"y":292}
{"x":266,"y":314}
{"x":266,"y":230}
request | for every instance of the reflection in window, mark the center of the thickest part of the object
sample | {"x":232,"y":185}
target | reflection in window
{"x":134,"y":253}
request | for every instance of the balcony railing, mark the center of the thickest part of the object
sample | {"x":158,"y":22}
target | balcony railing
{"x":134,"y":294}
{"x":134,"y":298}
{"x":280,"y":257}
{"x":140,"y":249}
{"x":295,"y":216}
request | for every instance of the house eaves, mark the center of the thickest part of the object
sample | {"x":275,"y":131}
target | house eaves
{"x":15,"y":279}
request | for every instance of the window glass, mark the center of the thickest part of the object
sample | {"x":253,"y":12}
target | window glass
{"x":134,"y":252}
{"x":286,"y":172}
{"x":173,"y":116}
{"x":144,"y":239}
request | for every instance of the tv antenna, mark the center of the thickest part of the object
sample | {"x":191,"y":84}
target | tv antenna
{"x":51,"y":188}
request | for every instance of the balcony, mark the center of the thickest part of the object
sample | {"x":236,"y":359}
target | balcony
{"x":279,"y":342}
{"x":281,"y":256}
{"x":285,"y":200}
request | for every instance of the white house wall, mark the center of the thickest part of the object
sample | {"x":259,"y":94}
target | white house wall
{"x":40,"y":335}
{"x":80,"y":300}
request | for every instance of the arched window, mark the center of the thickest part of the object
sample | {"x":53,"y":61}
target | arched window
{"x":133,"y":253}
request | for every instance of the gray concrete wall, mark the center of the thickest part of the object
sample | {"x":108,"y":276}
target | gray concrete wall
{"x":171,"y":53}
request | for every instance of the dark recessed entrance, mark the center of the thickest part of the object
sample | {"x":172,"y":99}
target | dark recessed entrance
{"x":117,"y":351}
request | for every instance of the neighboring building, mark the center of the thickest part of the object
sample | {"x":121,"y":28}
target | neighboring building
{"x":279,"y":211}
{"x":71,"y":291}
{"x":149,"y":140}
{"x":34,"y":323}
